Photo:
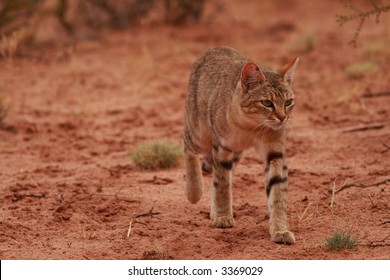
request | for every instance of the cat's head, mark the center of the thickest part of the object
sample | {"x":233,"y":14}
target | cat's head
{"x":267,"y":97}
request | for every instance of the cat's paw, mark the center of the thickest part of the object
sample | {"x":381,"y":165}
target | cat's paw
{"x":284,"y":237}
{"x":224,"y":222}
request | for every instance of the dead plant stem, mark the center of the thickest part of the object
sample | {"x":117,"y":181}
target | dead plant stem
{"x":360,"y":185}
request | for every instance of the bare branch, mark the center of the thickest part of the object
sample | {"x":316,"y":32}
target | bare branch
{"x":361,"y":17}
{"x":360,"y":185}
{"x":150,"y":213}
{"x":378,"y":243}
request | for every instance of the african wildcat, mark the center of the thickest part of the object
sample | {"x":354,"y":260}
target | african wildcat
{"x":233,"y":104}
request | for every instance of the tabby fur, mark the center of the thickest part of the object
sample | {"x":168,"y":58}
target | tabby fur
{"x":232,"y":105}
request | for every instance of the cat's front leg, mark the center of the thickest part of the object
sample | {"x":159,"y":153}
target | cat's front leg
{"x":221,"y":191}
{"x":276,"y":187}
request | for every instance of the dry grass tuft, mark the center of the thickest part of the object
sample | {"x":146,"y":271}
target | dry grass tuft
{"x":87,"y":233}
{"x":376,"y":48}
{"x":159,"y":154}
{"x":358,"y":70}
{"x":304,"y":44}
{"x":340,"y":240}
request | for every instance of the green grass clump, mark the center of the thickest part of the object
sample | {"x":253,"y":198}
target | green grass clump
{"x":359,"y":69}
{"x":159,"y":154}
{"x":340,"y":240}
{"x":304,"y":44}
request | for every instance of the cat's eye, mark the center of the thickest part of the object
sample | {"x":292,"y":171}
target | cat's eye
{"x":288,"y":103}
{"x":267,"y":103}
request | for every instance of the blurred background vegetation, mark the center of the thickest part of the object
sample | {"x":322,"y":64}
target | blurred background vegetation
{"x":37,"y":22}
{"x":62,"y":22}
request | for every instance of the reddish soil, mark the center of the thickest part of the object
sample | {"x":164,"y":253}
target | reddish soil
{"x":68,"y":189}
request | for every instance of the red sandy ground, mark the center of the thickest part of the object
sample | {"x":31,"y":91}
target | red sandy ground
{"x":68,"y":188}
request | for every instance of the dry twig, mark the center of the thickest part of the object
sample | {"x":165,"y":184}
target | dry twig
{"x":378,"y":243}
{"x":333,"y":195}
{"x":387,"y":148}
{"x":361,"y":17}
{"x":376,"y":94}
{"x":301,"y":217}
{"x":150,"y":213}
{"x":134,"y":221}
{"x":17,"y":197}
{"x":129,"y":230}
{"x":134,"y":217}
{"x":360,"y":185}
{"x":364,"y":128}
{"x":89,"y":196}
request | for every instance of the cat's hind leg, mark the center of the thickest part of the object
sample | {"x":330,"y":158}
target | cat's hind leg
{"x":194,"y":181}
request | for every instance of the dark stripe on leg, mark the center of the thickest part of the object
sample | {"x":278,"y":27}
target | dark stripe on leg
{"x":273,"y":181}
{"x":236,"y":159}
{"x":274,"y":155}
{"x":227,"y":164}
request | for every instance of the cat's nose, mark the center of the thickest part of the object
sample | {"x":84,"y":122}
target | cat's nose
{"x":281,"y":118}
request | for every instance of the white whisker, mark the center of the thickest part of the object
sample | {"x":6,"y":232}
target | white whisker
{"x":254,"y":133}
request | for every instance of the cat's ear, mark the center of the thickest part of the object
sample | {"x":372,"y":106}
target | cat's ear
{"x":251,"y":75}
{"x":287,"y":71}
